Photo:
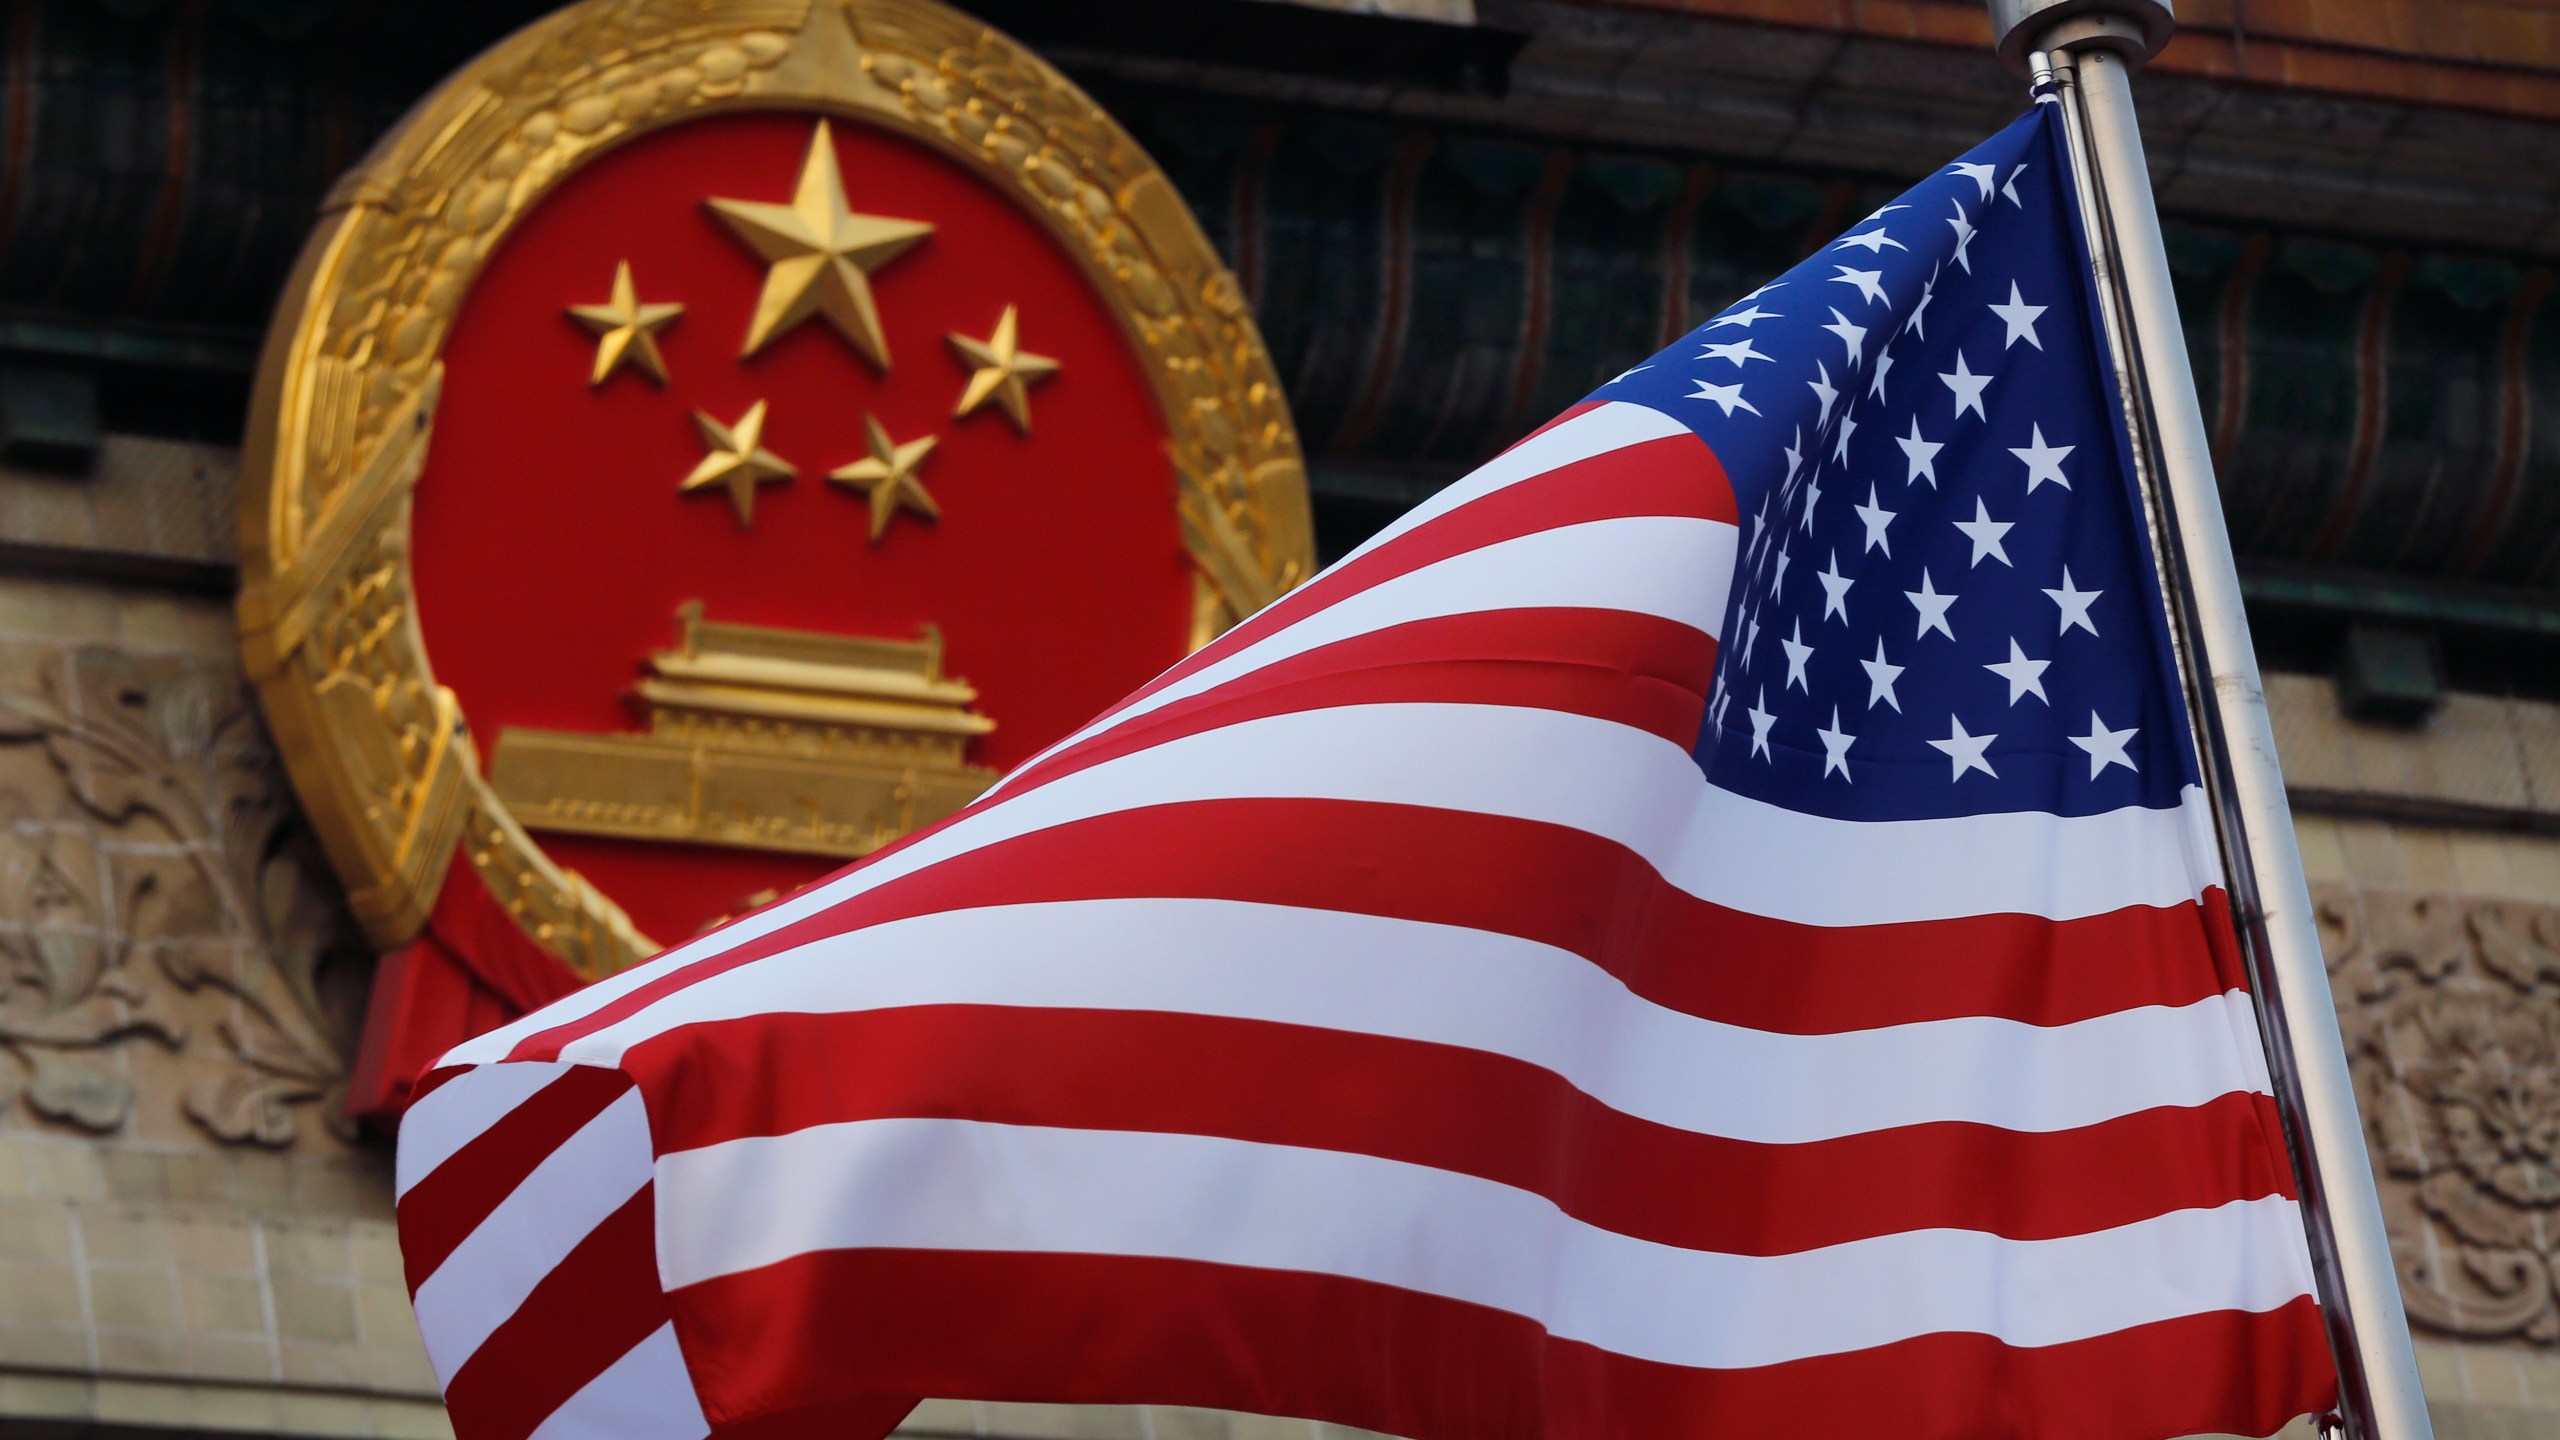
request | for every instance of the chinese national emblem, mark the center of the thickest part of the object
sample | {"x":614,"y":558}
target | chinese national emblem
{"x":699,"y":449}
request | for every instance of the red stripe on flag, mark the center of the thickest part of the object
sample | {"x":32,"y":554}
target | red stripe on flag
{"x":432,"y":1081}
{"x":587,"y":1313}
{"x":863,"y":1417}
{"x":1469,"y":1111}
{"x":1559,"y":886}
{"x":449,"y":1202}
{"x":1676,"y":476}
{"x":1068,"y":1328}
{"x":1633,"y":669}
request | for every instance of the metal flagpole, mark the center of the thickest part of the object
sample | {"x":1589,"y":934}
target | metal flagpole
{"x":2090,"y":48}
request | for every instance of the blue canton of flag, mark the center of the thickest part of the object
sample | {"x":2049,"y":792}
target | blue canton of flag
{"x":1945,"y":603}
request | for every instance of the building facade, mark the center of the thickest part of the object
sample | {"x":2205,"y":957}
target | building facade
{"x":1451,"y":219}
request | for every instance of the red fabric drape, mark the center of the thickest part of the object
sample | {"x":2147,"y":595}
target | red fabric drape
{"x":470,"y":970}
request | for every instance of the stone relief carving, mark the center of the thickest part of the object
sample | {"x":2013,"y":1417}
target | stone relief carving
{"x":157,"y":890}
{"x":2451,"y":1009}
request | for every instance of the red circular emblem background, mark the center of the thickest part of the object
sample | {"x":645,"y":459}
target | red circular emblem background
{"x":551,"y":549}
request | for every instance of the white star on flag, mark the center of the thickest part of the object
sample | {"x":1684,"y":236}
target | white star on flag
{"x":1884,"y":365}
{"x":1840,"y":452}
{"x":1745,"y":318}
{"x":1761,"y":720}
{"x":2020,"y":317}
{"x":1835,"y":748}
{"x":1922,"y":452}
{"x":1881,"y":674}
{"x":2009,"y":187}
{"x":1738,"y":352}
{"x":1968,"y":389}
{"x":1867,"y":281}
{"x":1928,"y":293}
{"x":1853,"y":338}
{"x":1978,"y":174}
{"x":1875,"y":518}
{"x":1797,"y":653}
{"x":1872,"y":241}
{"x":1964,"y":751}
{"x":1835,"y":590}
{"x":2025,"y":676}
{"x":2105,"y":746}
{"x":2075,"y":605}
{"x":1932,"y":607}
{"x":1823,"y":391}
{"x":1986,"y":533}
{"x":2044,"y":462}
{"x":1729,"y":397}
{"x":1964,"y":239}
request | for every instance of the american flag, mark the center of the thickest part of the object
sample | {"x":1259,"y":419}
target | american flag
{"x":1708,"y":926}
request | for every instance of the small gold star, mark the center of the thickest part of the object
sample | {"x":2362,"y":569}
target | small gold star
{"x":818,"y":255}
{"x":888,"y":476}
{"x":1004,"y":370}
{"x":625,"y":329}
{"x":737,"y":462}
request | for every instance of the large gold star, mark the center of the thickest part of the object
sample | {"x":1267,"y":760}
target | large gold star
{"x":626,"y":330}
{"x":888,"y":476}
{"x":736,"y":461}
{"x":1004,"y":370}
{"x":818,"y":255}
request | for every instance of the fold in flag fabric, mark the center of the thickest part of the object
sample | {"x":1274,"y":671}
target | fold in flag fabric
{"x":1707,"y":926}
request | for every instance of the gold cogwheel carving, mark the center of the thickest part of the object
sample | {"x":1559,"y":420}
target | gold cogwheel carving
{"x":346,"y":395}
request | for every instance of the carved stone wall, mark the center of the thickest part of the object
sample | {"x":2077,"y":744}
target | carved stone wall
{"x":2451,"y":1009}
{"x":191,"y":1238}
{"x":157,"y":891}
{"x":2441,"y":945}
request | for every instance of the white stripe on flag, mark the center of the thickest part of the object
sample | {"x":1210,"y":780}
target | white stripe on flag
{"x":460,"y":1111}
{"x":528,"y":1234}
{"x":646,"y":1395}
{"x":1669,"y":566}
{"x":1611,"y":425}
{"x":1587,"y":774}
{"x":974,"y":1186}
{"x":1447,"y":985}
{"x":1814,"y":870}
